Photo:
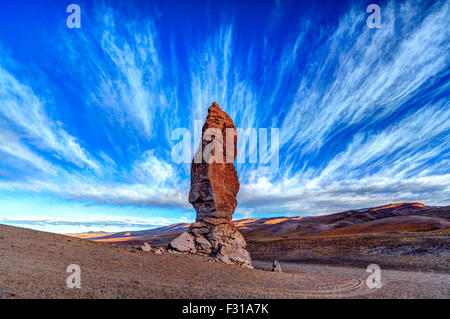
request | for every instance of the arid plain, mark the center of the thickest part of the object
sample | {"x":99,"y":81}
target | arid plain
{"x":414,"y":261}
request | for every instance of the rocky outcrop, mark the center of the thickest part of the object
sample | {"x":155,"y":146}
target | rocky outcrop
{"x":146,"y":247}
{"x":214,"y":187}
{"x":276,"y":267}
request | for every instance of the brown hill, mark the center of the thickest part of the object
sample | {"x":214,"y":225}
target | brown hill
{"x":297,"y":227}
{"x":398,"y":224}
{"x":320,"y":224}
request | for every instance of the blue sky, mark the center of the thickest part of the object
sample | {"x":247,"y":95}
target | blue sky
{"x":86,"y":115}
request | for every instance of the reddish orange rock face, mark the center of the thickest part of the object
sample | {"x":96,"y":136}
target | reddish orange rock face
{"x":214,"y":187}
{"x":214,"y":181}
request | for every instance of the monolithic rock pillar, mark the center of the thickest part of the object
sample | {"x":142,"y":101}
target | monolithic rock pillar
{"x":214,"y":186}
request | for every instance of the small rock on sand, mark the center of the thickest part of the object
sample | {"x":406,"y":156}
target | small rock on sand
{"x":276,"y":266}
{"x":146,"y":247}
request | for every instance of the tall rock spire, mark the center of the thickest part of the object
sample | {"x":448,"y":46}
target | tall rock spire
{"x":214,"y":187}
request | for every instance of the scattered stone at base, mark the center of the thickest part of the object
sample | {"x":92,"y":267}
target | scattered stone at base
{"x":146,"y":247}
{"x":276,"y":267}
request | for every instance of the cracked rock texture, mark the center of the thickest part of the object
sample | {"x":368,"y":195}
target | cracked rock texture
{"x":214,"y":186}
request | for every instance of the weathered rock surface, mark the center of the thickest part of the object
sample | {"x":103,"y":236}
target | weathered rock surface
{"x":214,"y":187}
{"x":184,"y":242}
{"x":276,"y":267}
{"x":146,"y":247}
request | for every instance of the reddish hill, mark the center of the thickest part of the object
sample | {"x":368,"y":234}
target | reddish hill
{"x":167,"y":232}
{"x":400,"y":217}
{"x":319,"y":224}
{"x":398,"y":224}
{"x":139,"y":235}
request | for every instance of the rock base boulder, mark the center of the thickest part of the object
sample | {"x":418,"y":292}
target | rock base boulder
{"x":223,"y":242}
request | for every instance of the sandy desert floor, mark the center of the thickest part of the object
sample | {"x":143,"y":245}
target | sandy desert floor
{"x":417,"y":251}
{"x":33,"y":265}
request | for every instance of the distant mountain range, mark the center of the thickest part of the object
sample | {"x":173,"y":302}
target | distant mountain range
{"x":400,"y":217}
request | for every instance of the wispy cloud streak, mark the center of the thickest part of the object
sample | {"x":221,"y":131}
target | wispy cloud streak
{"x":363,"y":113}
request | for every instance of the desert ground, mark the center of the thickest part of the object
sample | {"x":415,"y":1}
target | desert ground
{"x":33,"y":265}
{"x":419,"y":251}
{"x":404,"y":236}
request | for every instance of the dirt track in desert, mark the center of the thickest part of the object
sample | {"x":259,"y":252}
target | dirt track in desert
{"x":33,"y":265}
